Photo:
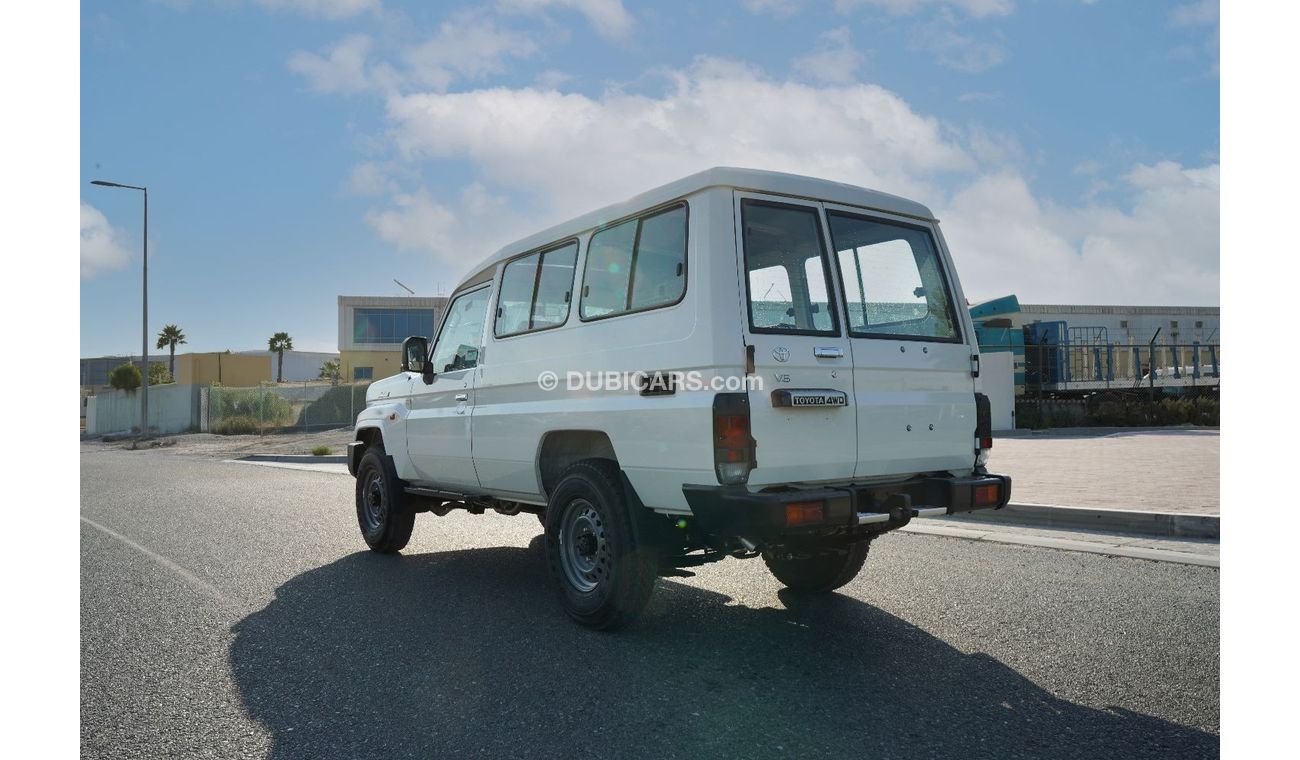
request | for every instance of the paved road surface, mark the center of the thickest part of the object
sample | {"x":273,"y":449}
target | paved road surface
{"x":230,"y":611}
{"x":1173,"y":470}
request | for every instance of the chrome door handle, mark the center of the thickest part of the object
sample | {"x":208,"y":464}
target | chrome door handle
{"x":462,"y":397}
{"x":828,"y":352}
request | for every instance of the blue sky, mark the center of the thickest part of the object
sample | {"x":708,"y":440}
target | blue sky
{"x":296,"y":150}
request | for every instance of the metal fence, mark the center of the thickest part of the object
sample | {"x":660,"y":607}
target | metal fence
{"x":1158,"y":368}
{"x":281,"y":407}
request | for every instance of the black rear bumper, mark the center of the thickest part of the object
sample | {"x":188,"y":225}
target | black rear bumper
{"x":727,"y":511}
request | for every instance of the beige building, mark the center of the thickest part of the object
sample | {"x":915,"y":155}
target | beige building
{"x":231,"y":370}
{"x":372,"y":328}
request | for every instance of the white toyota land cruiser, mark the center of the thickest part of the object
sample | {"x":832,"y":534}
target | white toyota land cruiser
{"x":737,"y":364}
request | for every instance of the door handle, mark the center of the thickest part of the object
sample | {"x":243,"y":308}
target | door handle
{"x":462,"y":397}
{"x":828,"y":352}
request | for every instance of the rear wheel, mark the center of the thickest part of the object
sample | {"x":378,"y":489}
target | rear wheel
{"x":604,"y":573}
{"x":385,"y":524}
{"x":822,"y":571}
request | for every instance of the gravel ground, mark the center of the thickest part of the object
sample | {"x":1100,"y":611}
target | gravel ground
{"x":230,"y":611}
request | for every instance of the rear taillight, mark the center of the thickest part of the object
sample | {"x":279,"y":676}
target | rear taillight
{"x":733,"y":445}
{"x":983,"y":429}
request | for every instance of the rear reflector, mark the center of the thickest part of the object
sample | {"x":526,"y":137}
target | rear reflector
{"x":985,"y":495}
{"x":986,"y":443}
{"x":804,"y":513}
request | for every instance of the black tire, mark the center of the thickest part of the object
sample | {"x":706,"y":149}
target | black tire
{"x":603,"y":571}
{"x":819,"y":572}
{"x":385,"y":524}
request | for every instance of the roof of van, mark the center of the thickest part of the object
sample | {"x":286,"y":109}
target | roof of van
{"x":777,"y":183}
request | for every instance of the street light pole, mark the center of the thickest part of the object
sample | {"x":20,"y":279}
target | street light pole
{"x":144,"y":325}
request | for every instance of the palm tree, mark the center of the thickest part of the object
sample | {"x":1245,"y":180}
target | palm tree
{"x":279,"y":343}
{"x":170,"y":337}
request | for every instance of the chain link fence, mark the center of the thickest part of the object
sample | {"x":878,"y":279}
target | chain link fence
{"x":281,"y":407}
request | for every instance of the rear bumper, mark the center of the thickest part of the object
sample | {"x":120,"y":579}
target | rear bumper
{"x":727,"y":511}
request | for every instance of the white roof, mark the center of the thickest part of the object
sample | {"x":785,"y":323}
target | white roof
{"x":777,"y":183}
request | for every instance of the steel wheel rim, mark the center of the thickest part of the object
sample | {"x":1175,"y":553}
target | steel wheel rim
{"x":373,"y":502}
{"x":584,"y":551}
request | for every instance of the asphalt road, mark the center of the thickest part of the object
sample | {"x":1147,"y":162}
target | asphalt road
{"x":232,"y":611}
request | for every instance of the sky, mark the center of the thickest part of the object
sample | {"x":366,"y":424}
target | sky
{"x":297,"y":150}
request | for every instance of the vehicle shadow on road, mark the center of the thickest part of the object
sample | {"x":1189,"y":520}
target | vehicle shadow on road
{"x":467,"y":653}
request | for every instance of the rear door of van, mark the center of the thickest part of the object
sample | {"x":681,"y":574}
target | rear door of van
{"x":803,"y":418}
{"x":913,"y":380}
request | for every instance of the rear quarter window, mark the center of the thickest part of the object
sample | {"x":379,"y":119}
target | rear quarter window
{"x":636,"y":265}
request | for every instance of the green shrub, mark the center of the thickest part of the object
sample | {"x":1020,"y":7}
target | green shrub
{"x":1028,"y":416}
{"x":337,"y":406}
{"x":321,"y":450}
{"x":238,"y":425}
{"x":1172,"y":411}
{"x":263,"y":406}
{"x":125,"y":377}
{"x":159,"y":374}
{"x":1205,"y":411}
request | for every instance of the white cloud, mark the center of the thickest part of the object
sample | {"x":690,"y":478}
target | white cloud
{"x":1199,"y":13}
{"x":539,"y":156}
{"x":976,"y":8}
{"x":459,"y":234}
{"x":569,"y":153}
{"x":1162,"y":248}
{"x":102,"y":248}
{"x":343,"y":68}
{"x":835,"y":60}
{"x":467,"y":46}
{"x":777,"y":8}
{"x":963,"y":52}
{"x":330,"y":9}
{"x":608,"y":17}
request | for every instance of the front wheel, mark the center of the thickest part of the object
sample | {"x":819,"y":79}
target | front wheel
{"x":385,"y":525}
{"x":604,"y":573}
{"x":821,"y":571}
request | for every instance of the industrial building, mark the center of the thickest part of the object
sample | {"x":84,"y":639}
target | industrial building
{"x":372,"y":328}
{"x":1065,"y":348}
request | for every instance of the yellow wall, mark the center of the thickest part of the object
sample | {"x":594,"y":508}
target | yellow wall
{"x":231,"y":370}
{"x":384,"y":363}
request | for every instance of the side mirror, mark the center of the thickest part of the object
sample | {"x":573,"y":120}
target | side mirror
{"x":415,"y":354}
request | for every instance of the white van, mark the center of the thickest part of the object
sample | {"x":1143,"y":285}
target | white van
{"x":737,"y":364}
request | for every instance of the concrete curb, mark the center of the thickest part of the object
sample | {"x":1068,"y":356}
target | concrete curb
{"x":1160,"y":524}
{"x":1065,"y":544}
{"x":296,"y":458}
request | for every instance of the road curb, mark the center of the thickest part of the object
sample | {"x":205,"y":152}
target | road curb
{"x":296,"y":458}
{"x":920,"y":527}
{"x":1160,"y":524}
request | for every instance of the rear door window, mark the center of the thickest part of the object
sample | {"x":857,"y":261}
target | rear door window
{"x":894,"y":284}
{"x":785,"y":265}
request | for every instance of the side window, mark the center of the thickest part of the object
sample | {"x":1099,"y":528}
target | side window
{"x":515,"y":301}
{"x":789,"y":286}
{"x":554,"y":287}
{"x":893,"y":280}
{"x":462,"y":332}
{"x":535,"y":291}
{"x":638,"y":264}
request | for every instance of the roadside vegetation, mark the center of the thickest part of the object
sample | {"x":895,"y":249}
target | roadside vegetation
{"x":1116,"y":411}
{"x":125,"y":377}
